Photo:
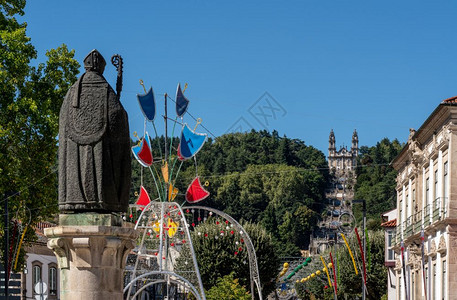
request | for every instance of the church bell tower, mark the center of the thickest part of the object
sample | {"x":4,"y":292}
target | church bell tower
{"x":355,"y":143}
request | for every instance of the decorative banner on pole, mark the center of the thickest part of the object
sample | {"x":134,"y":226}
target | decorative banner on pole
{"x":142,"y":152}
{"x":350,"y":253}
{"x":404,"y":268}
{"x":326,"y":271}
{"x":190,"y":143}
{"x":423,"y":262}
{"x":363,"y":257}
{"x":195,"y":192}
{"x":181,"y":102}
{"x":172,"y":192}
{"x":368,"y":250}
{"x":147,"y":104}
{"x":334,"y":274}
{"x":165,"y":172}
{"x":143,"y":198}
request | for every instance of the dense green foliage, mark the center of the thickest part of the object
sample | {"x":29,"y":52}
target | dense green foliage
{"x":258,"y":177}
{"x":220,"y":254}
{"x":235,"y":152}
{"x":30,"y":101}
{"x":228,"y":288}
{"x":376,"y":179}
{"x":349,"y":284}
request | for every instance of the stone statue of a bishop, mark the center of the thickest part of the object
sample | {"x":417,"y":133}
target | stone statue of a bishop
{"x":94,"y":144}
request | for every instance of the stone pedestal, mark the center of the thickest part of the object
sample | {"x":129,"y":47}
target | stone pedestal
{"x":91,"y":257}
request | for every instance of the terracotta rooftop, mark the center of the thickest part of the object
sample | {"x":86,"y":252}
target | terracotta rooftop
{"x":39,"y":230}
{"x":450,"y":100}
{"x":391,"y":223}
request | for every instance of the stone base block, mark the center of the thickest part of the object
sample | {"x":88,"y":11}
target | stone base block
{"x":91,"y":259}
{"x":90,"y":219}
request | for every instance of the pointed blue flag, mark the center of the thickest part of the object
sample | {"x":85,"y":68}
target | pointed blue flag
{"x":191,"y":142}
{"x":147,"y":104}
{"x":181,"y":102}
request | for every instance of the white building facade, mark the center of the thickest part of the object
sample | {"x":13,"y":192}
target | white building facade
{"x":41,"y":265}
{"x":427,"y":205}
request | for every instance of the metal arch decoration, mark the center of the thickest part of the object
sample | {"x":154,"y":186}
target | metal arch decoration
{"x":191,"y":286}
{"x":253,"y":267}
{"x":138,"y":293}
{"x":341,"y":227}
{"x":160,"y":213}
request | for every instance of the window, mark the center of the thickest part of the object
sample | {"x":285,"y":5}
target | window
{"x":443,"y":280}
{"x":414,"y":208}
{"x":36,"y":274}
{"x":435,"y":191}
{"x":413,"y":286}
{"x":426,"y":281}
{"x":52,"y":280}
{"x":390,"y":252}
{"x":445,"y":184}
{"x":434,"y":287}
{"x":406,"y":209}
{"x":427,"y":189}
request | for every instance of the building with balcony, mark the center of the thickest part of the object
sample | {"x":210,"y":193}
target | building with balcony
{"x":427,"y":202}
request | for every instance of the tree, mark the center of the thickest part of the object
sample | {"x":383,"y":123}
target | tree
{"x":376,"y":178}
{"x":30,"y":101}
{"x":228,"y":288}
{"x":266,"y":194}
{"x":220,"y":251}
{"x":349,"y":284}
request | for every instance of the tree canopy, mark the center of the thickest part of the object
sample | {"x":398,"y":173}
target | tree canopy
{"x":376,"y":178}
{"x":349,"y":284}
{"x":31,"y":96}
{"x":258,"y":177}
{"x":219,"y":255}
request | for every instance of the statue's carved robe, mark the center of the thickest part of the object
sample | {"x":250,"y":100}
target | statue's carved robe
{"x":94,"y":148}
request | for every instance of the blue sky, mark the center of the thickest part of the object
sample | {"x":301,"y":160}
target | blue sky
{"x":380,"y":67}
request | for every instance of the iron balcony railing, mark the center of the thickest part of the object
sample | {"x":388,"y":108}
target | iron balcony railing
{"x":439,"y":209}
{"x":417,"y":222}
{"x":436,"y":209}
{"x":413,"y":224}
{"x":427,"y":220}
{"x":409,"y":226}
